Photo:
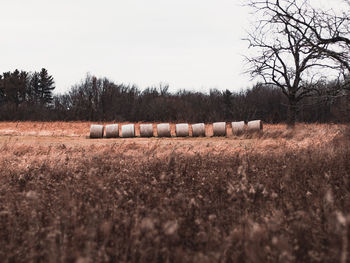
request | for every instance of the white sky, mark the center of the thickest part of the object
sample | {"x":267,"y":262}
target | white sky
{"x":189,"y":44}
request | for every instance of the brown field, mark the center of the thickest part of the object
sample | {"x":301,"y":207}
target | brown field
{"x":275,"y":196}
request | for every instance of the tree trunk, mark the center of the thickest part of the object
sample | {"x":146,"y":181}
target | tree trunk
{"x":292,"y":112}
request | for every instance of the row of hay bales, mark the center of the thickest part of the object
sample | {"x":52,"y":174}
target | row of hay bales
{"x":181,"y":130}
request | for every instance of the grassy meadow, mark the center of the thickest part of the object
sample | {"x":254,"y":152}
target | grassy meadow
{"x":275,"y":196}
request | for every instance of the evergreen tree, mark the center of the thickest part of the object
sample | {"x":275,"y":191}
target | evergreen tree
{"x":46,"y":86}
{"x":14,"y":86}
{"x":33,"y":92}
{"x":22,"y":86}
{"x":227,"y":96}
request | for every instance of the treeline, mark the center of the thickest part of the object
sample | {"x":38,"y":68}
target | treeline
{"x":28,"y":96}
{"x":24,"y":95}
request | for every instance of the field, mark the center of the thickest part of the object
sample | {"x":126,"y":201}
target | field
{"x":275,"y":196}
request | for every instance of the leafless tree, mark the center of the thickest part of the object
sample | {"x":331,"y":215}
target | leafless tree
{"x":327,"y":26}
{"x":297,"y":47}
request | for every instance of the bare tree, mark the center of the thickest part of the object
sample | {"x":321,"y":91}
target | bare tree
{"x":327,"y":26}
{"x":289,"y":52}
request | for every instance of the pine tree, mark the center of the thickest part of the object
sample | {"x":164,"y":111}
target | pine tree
{"x":14,"y":86}
{"x":33,"y":92}
{"x":22,"y":86}
{"x":46,"y":86}
{"x":227,"y":101}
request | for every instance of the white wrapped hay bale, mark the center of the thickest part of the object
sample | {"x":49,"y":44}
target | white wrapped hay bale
{"x":96,"y":131}
{"x":128,"y":130}
{"x":238,"y":127}
{"x":219,"y":128}
{"x":112,"y":131}
{"x":146,"y":130}
{"x":256,"y":125}
{"x":163,"y":130}
{"x":198,"y":130}
{"x":182,"y":130}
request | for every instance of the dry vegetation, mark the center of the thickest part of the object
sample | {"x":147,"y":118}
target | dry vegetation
{"x":276,"y":196}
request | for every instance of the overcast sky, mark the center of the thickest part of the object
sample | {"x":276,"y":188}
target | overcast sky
{"x":189,"y":44}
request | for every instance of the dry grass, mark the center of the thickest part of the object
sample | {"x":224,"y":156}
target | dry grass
{"x":276,"y":196}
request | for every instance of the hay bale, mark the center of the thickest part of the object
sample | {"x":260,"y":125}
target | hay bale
{"x":128,"y":130}
{"x":182,"y":130}
{"x":163,"y":130}
{"x":112,"y":131}
{"x":219,"y":128}
{"x":96,"y":131}
{"x":238,"y":127}
{"x":198,"y":130}
{"x":146,"y":130}
{"x":256,"y":125}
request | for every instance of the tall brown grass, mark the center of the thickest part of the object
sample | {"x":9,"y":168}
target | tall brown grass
{"x":101,"y":203}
